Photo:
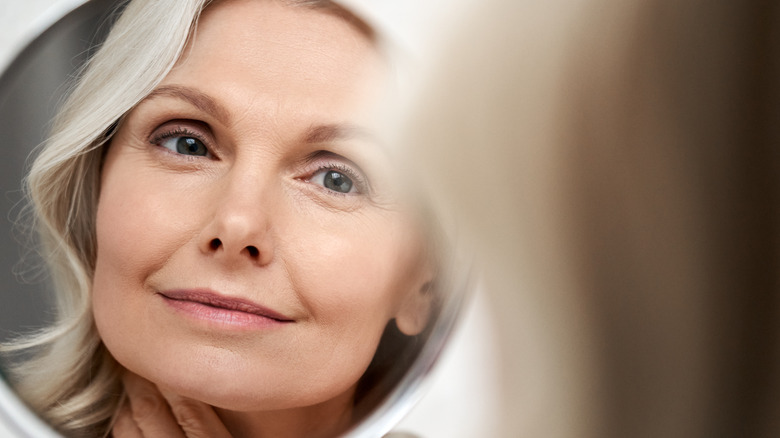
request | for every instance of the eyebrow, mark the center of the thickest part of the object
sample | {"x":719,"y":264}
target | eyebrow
{"x":199,"y":100}
{"x":315,"y":134}
{"x":333,"y":132}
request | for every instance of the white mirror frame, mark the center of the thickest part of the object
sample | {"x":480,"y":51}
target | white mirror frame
{"x":18,"y":421}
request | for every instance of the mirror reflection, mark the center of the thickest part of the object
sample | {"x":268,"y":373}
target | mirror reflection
{"x":231,"y":246}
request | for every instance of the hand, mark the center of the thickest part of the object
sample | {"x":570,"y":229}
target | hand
{"x":150,"y":413}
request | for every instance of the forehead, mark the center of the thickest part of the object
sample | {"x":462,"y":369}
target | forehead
{"x":259,"y":50}
{"x":293,"y":8}
{"x":329,"y":7}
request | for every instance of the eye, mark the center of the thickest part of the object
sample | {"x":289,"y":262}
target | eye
{"x":185,"y":145}
{"x":334,"y":180}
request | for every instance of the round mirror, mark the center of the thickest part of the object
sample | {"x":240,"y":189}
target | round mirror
{"x":31,"y":88}
{"x":190,"y":114}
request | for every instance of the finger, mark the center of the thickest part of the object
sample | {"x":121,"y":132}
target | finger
{"x":197,"y":419}
{"x":124,"y":425}
{"x":149,"y":409}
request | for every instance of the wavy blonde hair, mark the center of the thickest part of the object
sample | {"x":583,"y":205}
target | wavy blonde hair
{"x":64,"y":372}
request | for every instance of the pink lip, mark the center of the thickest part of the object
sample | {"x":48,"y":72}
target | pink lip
{"x":227,"y":311}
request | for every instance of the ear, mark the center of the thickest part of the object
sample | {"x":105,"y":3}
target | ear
{"x":415,"y":310}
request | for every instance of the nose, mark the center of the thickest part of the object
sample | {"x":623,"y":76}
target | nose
{"x":240,"y":228}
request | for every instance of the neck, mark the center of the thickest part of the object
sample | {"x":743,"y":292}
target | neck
{"x":324,"y":420}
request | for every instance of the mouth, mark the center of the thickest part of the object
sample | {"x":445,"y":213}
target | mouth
{"x":231,"y":311}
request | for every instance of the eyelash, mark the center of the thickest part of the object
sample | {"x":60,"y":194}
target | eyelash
{"x":180,"y":131}
{"x":362,"y":185}
{"x":357,"y":178}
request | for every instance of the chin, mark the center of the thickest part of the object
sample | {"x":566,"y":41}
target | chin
{"x":231,"y":389}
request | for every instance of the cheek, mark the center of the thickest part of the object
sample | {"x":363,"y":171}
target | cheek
{"x":137,"y":229}
{"x":122,"y":242}
{"x":353,"y":282}
{"x":361,"y":271}
{"x":140,"y":219}
{"x":117,"y":230}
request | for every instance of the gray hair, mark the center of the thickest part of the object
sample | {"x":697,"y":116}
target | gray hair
{"x":70,"y":379}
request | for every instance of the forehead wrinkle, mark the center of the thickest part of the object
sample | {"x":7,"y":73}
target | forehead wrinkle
{"x":196,"y":98}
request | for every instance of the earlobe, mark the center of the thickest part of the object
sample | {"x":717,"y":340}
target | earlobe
{"x":415,"y":310}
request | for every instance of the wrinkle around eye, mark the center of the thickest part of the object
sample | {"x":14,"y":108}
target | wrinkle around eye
{"x":311,"y":198}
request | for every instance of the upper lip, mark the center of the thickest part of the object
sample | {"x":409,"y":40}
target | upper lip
{"x":211,"y":298}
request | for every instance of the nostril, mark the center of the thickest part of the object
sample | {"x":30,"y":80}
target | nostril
{"x":253,"y":251}
{"x":215,"y":244}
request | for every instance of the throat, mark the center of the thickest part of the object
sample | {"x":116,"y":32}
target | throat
{"x":326,"y":420}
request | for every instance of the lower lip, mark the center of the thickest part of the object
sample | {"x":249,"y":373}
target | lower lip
{"x":223,"y":318}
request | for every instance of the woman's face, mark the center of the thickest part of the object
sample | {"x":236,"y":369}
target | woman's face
{"x":251,"y":243}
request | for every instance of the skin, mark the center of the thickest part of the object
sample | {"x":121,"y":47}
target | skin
{"x":278,"y":96}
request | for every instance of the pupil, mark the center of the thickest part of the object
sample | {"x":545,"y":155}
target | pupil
{"x":338,"y":182}
{"x":190,"y":146}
